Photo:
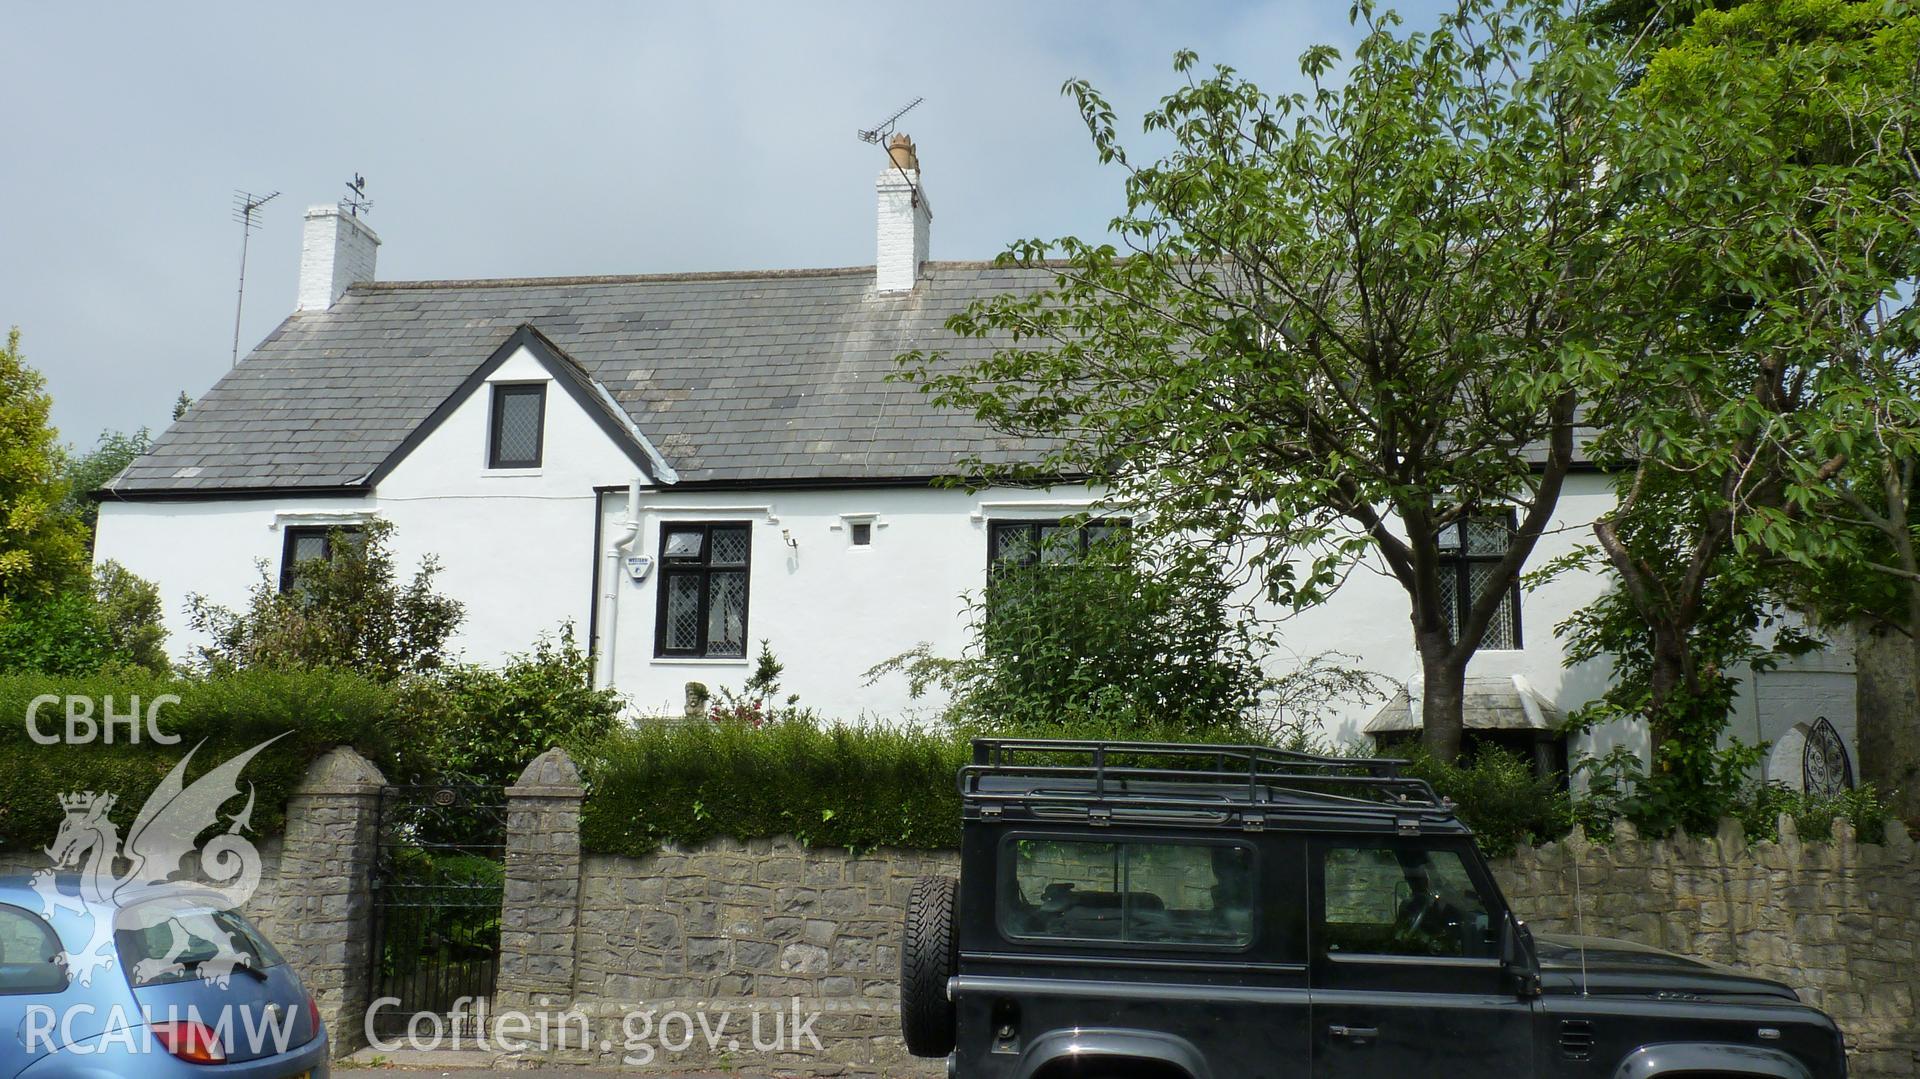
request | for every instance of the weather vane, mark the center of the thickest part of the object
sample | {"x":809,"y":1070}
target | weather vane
{"x":357,"y":201}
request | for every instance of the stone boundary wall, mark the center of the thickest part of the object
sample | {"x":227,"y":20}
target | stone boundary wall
{"x":734,"y":927}
{"x":762,"y":926}
{"x":1837,"y":919}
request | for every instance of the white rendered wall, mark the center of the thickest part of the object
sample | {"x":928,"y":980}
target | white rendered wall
{"x":216,"y":548}
{"x":515,"y":546}
{"x":517,"y":549}
{"x":832,"y":610}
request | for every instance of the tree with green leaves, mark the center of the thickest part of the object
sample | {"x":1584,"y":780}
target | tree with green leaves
{"x":88,"y":472}
{"x":1344,"y":322}
{"x":349,"y":611}
{"x":1775,"y":165}
{"x":41,"y":548}
{"x":1849,"y":519}
{"x":1115,"y":639}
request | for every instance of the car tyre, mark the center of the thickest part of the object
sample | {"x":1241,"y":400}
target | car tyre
{"x":929,"y":955}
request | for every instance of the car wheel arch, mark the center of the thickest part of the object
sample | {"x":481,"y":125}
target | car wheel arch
{"x":1699,"y":1060}
{"x":1094,"y":1053}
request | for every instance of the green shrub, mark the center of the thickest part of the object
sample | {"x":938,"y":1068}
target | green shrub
{"x":1813,"y":814}
{"x":79,"y":629}
{"x":1498,"y":795}
{"x":486,"y":723}
{"x":348,"y":611}
{"x":62,"y":633}
{"x":129,"y":608}
{"x":1618,"y":788}
{"x":222,"y":717}
{"x":857,"y":787}
{"x":1116,"y":638}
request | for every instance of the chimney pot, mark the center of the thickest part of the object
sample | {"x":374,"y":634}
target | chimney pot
{"x":337,"y":250}
{"x":902,"y":152}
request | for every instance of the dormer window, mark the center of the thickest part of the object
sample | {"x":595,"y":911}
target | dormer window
{"x":517,"y":431}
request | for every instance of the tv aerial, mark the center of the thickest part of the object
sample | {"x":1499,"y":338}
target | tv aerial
{"x":877,"y":135}
{"x":878,"y":132}
{"x":246,"y":207}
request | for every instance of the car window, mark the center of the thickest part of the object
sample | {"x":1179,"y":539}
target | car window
{"x":29,"y":953}
{"x":1139,"y":891}
{"x":175,"y":949}
{"x":1401,"y":900}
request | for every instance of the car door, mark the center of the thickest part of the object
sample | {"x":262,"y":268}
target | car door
{"x":1131,"y":942}
{"x":1406,"y":978}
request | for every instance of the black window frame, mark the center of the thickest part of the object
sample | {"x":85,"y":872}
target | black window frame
{"x":496,"y":415}
{"x":1460,"y":563}
{"x":293,"y":534}
{"x":1081,"y":529}
{"x":703,"y":569}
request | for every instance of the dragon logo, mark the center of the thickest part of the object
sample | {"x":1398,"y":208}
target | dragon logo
{"x":148,"y":882}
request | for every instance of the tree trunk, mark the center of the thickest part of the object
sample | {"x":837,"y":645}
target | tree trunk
{"x":1443,"y":696}
{"x":1913,"y":641}
{"x":1668,"y":678}
{"x":1888,"y":696}
{"x":1668,"y":620}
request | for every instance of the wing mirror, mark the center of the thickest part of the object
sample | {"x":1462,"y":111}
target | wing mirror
{"x":1517,"y":956}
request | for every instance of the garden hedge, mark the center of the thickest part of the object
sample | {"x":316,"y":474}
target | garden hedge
{"x":222,"y":717}
{"x":858,"y":787}
{"x":866,"y":787}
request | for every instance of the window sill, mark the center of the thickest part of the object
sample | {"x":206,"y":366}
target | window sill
{"x":700,"y":661}
{"x":497,"y":473}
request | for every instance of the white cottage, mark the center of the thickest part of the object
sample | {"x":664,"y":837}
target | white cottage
{"x":683,"y":464}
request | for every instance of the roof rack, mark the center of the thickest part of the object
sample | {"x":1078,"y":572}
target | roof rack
{"x":1184,"y":776}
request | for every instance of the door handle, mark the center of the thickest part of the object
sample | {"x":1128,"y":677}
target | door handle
{"x":1339,"y":1031}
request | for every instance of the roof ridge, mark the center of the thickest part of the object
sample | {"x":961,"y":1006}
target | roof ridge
{"x":694,"y":275}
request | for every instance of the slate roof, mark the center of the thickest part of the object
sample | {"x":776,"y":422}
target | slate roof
{"x":737,"y":378}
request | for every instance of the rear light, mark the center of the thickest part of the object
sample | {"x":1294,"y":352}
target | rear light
{"x":192,"y":1042}
{"x":313,"y":1014}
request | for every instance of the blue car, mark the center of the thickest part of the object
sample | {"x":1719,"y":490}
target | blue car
{"x":159,"y":1008}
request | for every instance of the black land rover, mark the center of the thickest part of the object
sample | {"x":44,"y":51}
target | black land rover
{"x":1230,"y":912}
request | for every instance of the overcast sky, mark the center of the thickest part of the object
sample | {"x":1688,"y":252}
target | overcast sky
{"x":518,"y":140}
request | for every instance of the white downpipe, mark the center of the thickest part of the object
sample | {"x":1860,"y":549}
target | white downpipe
{"x":610,"y":583}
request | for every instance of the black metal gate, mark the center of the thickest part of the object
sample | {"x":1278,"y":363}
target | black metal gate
{"x":437,"y":889}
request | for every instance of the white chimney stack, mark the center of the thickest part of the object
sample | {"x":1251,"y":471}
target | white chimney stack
{"x":904,"y":217}
{"x":336,"y":250}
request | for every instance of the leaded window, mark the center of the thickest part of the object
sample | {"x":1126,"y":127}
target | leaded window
{"x":516,"y":435}
{"x":1027,"y":542}
{"x":1470,"y":554}
{"x":703,"y":589}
